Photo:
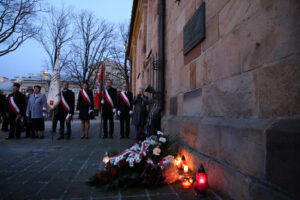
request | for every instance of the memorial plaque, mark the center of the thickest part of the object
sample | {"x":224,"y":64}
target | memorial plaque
{"x":194,"y":30}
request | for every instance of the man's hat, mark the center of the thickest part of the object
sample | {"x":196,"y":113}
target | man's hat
{"x":29,"y":88}
{"x":17,"y":85}
{"x":38,"y":86}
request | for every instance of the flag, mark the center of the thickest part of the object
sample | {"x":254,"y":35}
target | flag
{"x":98,"y":94}
{"x":53,"y":98}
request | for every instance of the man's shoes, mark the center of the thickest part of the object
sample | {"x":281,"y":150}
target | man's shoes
{"x":127,"y":137}
{"x":17,"y":137}
{"x":122,"y":137}
{"x":111,"y":137}
{"x":41,"y":137}
{"x":105,"y":136}
{"x":68,"y":137}
{"x":60,"y":138}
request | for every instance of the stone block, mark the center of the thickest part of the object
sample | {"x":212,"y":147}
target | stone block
{"x":180,"y":104}
{"x":173,"y":105}
{"x":179,"y":42}
{"x":278,"y":89}
{"x":238,"y":11}
{"x":282,"y":156}
{"x":270,"y":35}
{"x":260,"y":191}
{"x":243,"y":149}
{"x":188,"y":134}
{"x":189,"y":9}
{"x":192,"y":105}
{"x":223,"y":59}
{"x":213,"y":7}
{"x":193,"y":75}
{"x":184,"y":79}
{"x":192,"y":54}
{"x":212,"y":32}
{"x":234,"y":96}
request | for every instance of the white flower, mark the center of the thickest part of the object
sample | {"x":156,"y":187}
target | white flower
{"x":160,"y":133}
{"x":131,"y":160}
{"x":156,"y":151}
{"x":152,"y":142}
{"x":162,"y":139}
{"x":131,"y":164}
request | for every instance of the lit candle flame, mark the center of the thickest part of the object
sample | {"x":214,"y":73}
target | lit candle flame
{"x":185,"y":169}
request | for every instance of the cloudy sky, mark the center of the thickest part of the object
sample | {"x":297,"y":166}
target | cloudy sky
{"x":30,"y":57}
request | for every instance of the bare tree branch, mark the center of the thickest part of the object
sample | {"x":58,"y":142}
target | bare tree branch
{"x":94,"y":38}
{"x":56,"y":34}
{"x":16,"y":23}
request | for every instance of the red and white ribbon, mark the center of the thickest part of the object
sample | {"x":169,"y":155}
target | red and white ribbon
{"x":64,"y":103}
{"x":125,"y":99}
{"x":162,"y":163}
{"x":144,"y":148}
{"x":44,"y":109}
{"x":13,"y":105}
{"x":69,"y":117}
{"x":108,"y":99}
{"x":85,"y":96}
{"x":121,"y":155}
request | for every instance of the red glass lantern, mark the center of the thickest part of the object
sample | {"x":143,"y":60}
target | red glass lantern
{"x":201,"y":184}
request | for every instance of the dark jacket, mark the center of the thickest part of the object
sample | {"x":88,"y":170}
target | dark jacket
{"x":83,"y":106}
{"x":69,"y":96}
{"x":19,"y":99}
{"x":121,"y":106}
{"x":2,"y":104}
{"x":106,"y":109}
{"x":140,"y":111}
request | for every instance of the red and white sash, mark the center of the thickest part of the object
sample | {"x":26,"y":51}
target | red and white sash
{"x":64,"y":103}
{"x":125,"y":99}
{"x":108,"y":99}
{"x":85,"y":96}
{"x":13,"y":105}
{"x":66,"y":107}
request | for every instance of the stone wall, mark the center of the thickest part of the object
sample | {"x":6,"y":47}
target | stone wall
{"x":233,"y":101}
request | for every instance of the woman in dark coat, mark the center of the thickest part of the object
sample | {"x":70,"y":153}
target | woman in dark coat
{"x":85,"y":105}
{"x":140,"y":114}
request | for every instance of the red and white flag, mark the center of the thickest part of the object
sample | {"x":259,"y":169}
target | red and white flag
{"x":53,"y":98}
{"x":98,"y":94}
{"x":125,"y":99}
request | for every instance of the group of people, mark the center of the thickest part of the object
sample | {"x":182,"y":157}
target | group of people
{"x":19,"y":111}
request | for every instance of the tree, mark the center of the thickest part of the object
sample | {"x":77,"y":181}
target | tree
{"x":16,"y":23}
{"x":118,"y":51}
{"x":56,"y":34}
{"x":89,"y":47}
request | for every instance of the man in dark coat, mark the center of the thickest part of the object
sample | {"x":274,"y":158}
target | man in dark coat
{"x":140,"y":113}
{"x":64,"y":111}
{"x":124,"y":109}
{"x":16,"y":107}
{"x":3,"y":111}
{"x":109,"y":103}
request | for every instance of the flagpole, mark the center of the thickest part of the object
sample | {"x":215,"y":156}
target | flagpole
{"x":102,"y":98}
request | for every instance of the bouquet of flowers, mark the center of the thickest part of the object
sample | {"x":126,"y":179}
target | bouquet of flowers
{"x":144,"y":163}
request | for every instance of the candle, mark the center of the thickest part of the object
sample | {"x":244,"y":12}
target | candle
{"x":201,"y":184}
{"x":185,"y":168}
{"x":106,"y":158}
{"x":186,"y":183}
{"x":177,"y":162}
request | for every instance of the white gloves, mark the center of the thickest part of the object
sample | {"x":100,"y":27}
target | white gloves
{"x":102,"y":101}
{"x":114,"y":110}
{"x":44,"y":114}
{"x":119,"y":112}
{"x":130,"y":112}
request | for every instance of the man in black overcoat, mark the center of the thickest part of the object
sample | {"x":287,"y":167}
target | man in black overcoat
{"x":124,"y":109}
{"x":109,"y":104}
{"x":16,"y":107}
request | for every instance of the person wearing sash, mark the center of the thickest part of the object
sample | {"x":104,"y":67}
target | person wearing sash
{"x":124,"y":110}
{"x":37,"y":108}
{"x":64,"y":111}
{"x":85,"y":105}
{"x":15,"y":112}
{"x":109,"y":104}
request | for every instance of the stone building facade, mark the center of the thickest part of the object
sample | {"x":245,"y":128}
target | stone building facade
{"x":233,"y":100}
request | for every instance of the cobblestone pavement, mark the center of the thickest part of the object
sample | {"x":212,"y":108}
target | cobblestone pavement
{"x":42,"y":169}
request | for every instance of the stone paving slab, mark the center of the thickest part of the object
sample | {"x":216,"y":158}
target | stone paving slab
{"x":51,"y":169}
